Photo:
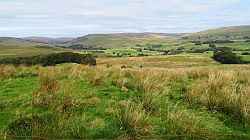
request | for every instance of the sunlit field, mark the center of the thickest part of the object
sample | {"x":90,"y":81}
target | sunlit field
{"x":179,"y":97}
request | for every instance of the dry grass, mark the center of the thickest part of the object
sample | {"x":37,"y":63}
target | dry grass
{"x":184,"y":122}
{"x":221,"y":91}
{"x":7,"y":71}
{"x":47,"y":81}
{"x":134,"y":121}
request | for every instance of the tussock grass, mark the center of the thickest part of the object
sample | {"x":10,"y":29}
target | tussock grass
{"x":7,"y":71}
{"x":222,"y":92}
{"x":134,"y":121}
{"x":74,"y":101}
{"x":184,"y":122}
{"x":47,"y":81}
{"x":46,"y":87}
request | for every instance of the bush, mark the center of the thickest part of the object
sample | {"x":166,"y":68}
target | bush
{"x":246,"y":53}
{"x":52,"y":59}
{"x":198,"y":43}
{"x":227,"y":57}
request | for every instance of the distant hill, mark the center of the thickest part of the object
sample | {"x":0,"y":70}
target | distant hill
{"x":47,"y":40}
{"x":240,"y":34}
{"x":232,"y":32}
{"x":14,"y":47}
{"x":120,"y":40}
{"x":11,"y":41}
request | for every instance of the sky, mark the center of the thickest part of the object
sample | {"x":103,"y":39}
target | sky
{"x":73,"y":18}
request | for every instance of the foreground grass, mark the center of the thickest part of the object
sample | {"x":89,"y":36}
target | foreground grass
{"x":72,"y":101}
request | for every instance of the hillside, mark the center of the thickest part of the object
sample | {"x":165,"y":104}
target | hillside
{"x":232,"y":32}
{"x":121,"y":40}
{"x":48,"y":40}
{"x":168,"y":41}
{"x":14,"y":47}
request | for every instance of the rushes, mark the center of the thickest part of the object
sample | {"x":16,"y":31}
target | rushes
{"x":7,"y":71}
{"x":47,"y":82}
{"x":47,"y":86}
{"x":221,"y":92}
{"x":134,"y":121}
{"x":183,"y":122}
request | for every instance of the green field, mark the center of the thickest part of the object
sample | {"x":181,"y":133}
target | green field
{"x":156,"y":97}
{"x":132,"y":92}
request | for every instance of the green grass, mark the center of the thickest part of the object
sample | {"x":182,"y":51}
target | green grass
{"x":7,"y":51}
{"x":93,"y":112}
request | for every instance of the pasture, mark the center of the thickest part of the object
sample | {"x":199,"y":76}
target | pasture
{"x":185,"y":96}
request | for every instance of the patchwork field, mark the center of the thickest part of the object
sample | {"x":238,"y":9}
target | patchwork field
{"x":186,"y":96}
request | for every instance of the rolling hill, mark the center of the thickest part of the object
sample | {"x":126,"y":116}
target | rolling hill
{"x":37,"y":45}
{"x":15,"y":47}
{"x":48,"y":40}
{"x":231,"y":32}
{"x":121,"y":40}
{"x":166,"y":40}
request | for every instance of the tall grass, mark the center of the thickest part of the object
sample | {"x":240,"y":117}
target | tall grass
{"x":184,"y":122}
{"x":7,"y":71}
{"x":46,"y":87}
{"x":134,"y":121}
{"x":222,"y":92}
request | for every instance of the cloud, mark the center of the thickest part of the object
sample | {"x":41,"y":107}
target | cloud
{"x":79,"y":17}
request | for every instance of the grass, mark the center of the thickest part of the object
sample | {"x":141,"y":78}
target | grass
{"x":160,"y":100}
{"x":7,"y":51}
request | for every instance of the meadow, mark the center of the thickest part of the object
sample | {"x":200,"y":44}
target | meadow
{"x":144,"y":86}
{"x":185,"y":96}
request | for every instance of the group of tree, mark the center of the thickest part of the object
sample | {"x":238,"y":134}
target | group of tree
{"x":228,"y":57}
{"x":52,"y":59}
{"x":85,"y":47}
{"x":212,"y":42}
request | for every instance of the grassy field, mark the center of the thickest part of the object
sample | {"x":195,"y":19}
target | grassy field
{"x":186,"y":96}
{"x":7,"y":51}
{"x":182,"y":96}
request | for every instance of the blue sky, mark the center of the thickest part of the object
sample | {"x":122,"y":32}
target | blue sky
{"x":71,"y":18}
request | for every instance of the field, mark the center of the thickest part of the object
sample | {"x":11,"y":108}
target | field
{"x":185,"y":96}
{"x":144,"y":86}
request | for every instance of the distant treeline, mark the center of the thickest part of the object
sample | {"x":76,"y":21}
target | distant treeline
{"x":52,"y":59}
{"x":213,"y":42}
{"x":82,"y":47}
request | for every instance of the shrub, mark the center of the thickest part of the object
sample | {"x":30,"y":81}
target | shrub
{"x":52,"y":59}
{"x":227,"y":57}
{"x":198,"y":43}
{"x":246,"y":53}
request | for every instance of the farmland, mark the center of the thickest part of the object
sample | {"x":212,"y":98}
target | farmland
{"x":155,"y":96}
{"x":143,"y":86}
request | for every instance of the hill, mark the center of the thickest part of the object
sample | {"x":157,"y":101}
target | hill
{"x":15,"y":47}
{"x":231,"y":32}
{"x":48,"y":40}
{"x":164,"y":40}
{"x":120,"y":40}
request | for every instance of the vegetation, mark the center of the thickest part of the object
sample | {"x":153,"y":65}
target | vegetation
{"x":83,"y":102}
{"x":227,"y":57}
{"x":246,"y":53}
{"x":52,"y":59}
{"x":148,"y":86}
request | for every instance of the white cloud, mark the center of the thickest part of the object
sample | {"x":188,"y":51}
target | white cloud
{"x":76,"y":17}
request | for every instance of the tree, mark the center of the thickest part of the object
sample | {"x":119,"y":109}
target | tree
{"x":227,"y":57}
{"x":213,"y":47}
